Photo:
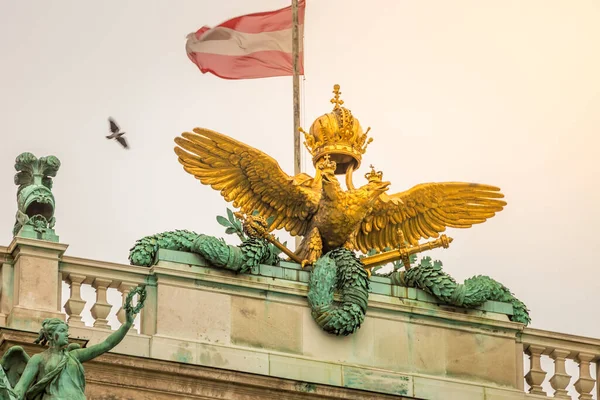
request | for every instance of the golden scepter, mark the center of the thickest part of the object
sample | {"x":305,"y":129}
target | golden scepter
{"x":255,"y":226}
{"x":404,"y":251}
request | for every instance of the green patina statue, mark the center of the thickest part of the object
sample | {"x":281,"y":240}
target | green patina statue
{"x":35,"y":201}
{"x":57,"y":373}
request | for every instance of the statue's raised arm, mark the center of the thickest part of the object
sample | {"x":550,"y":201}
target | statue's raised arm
{"x":57,"y":373}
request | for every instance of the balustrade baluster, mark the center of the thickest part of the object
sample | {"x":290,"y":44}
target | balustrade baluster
{"x":75,"y":304}
{"x":560,"y":380}
{"x":585,"y":383}
{"x":101,"y":308}
{"x":536,"y":375}
{"x":598,"y":379}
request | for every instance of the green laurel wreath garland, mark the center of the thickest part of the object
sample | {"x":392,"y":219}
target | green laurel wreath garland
{"x":141,"y":291}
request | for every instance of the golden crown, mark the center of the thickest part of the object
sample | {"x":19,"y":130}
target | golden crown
{"x":339,"y":135}
{"x":326,"y":165}
{"x":374,"y":176}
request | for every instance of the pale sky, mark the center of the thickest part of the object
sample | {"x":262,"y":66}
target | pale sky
{"x":498,"y":92}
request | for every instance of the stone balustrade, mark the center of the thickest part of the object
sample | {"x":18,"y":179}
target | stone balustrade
{"x":101,"y":276}
{"x":557,"y":349}
{"x":409,"y":345}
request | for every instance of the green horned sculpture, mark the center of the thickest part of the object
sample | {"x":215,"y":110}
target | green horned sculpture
{"x":57,"y":373}
{"x":35,"y":201}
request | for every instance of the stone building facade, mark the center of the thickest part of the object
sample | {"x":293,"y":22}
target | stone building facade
{"x":206,"y":333}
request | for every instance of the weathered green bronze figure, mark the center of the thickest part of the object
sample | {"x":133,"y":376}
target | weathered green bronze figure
{"x":35,"y":201}
{"x":57,"y":373}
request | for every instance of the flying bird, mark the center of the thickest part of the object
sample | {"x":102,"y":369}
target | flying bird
{"x":116,"y":133}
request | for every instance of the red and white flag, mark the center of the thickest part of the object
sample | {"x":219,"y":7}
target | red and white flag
{"x":251,"y":46}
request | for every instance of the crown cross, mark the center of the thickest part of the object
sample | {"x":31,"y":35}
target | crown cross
{"x":374,"y":176}
{"x":326,"y":164}
{"x":336,"y":98}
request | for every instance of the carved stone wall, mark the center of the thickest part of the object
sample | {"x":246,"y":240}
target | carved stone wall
{"x":210,"y":334}
{"x":123,"y":377}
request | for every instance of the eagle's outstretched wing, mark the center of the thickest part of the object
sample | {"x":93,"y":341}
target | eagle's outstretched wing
{"x":250,"y":178}
{"x":426,"y":210}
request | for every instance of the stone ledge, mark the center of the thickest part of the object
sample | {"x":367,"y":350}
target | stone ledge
{"x":377,"y":381}
{"x":313,"y":372}
{"x":275,"y":364}
{"x":556,"y":340}
{"x":4,"y":255}
{"x":410,"y":336}
{"x":125,"y":377}
{"x":288,"y":271}
{"x":284,"y":291}
{"x":444,"y":389}
{"x":21,"y":246}
{"x":135,"y":378}
{"x":133,"y":344}
{"x":28,"y":318}
{"x":93,"y":269}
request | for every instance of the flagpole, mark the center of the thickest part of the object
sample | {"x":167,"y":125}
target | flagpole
{"x":296,"y":92}
{"x":296,"y":86}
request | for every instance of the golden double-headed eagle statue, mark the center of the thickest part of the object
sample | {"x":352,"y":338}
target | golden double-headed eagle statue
{"x":317,"y":208}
